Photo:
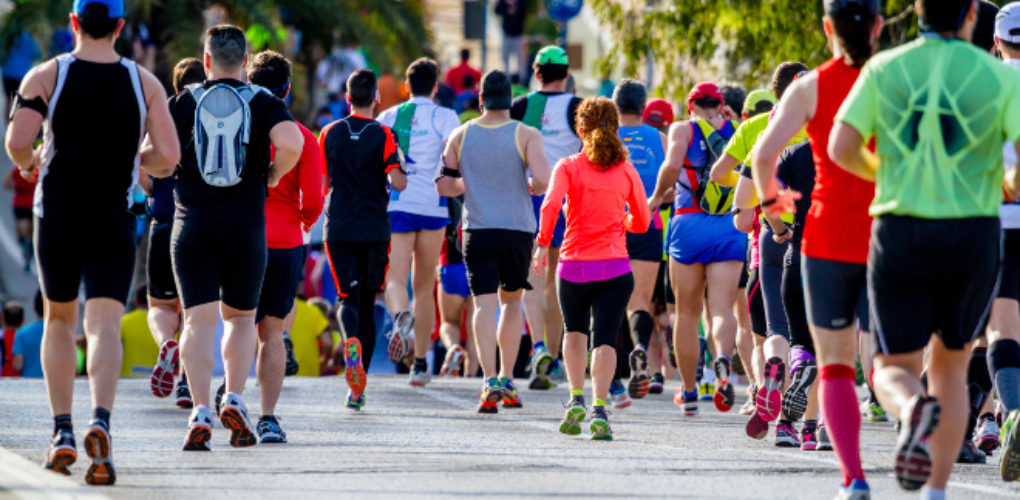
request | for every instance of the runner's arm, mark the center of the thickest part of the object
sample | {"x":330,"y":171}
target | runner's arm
{"x":723,"y":172}
{"x":551,"y":205}
{"x":287,"y":138}
{"x":448,"y":185}
{"x":639,"y":216}
{"x":161,"y":151}
{"x":534,"y":156}
{"x":145,"y":181}
{"x":27,"y":122}
{"x":795,"y":109}
{"x":846,"y":148}
{"x":310,"y":182}
{"x":679,"y":138}
{"x":393,"y":162}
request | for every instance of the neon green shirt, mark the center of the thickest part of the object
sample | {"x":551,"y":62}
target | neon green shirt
{"x":939,"y":111}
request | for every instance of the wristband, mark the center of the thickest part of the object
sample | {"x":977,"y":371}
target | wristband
{"x":769,"y":202}
{"x":451,"y":172}
{"x":784,"y":233}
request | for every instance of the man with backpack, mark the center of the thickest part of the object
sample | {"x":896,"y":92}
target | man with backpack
{"x":218,"y":244}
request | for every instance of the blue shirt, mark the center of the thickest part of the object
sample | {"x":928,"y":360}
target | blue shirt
{"x":27,"y":343}
{"x":644,"y":144}
{"x":19,"y":59}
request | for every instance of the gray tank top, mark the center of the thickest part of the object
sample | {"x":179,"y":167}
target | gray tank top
{"x":495,"y":178}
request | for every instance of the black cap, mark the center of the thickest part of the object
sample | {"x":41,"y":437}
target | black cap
{"x":852,"y":9}
{"x":943,"y":15}
{"x":496,"y":93}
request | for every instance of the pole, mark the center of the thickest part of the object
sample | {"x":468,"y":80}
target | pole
{"x":485,"y":34}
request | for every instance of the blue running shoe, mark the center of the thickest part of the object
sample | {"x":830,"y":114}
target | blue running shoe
{"x":857,"y":490}
{"x":269,"y":430}
{"x":618,"y":395}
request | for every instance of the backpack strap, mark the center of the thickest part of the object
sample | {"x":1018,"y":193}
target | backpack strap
{"x":402,"y":125}
{"x":534,"y":110}
{"x":63,"y":65}
{"x":196,"y":91}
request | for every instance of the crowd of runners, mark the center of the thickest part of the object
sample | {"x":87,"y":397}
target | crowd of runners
{"x":858,"y":211}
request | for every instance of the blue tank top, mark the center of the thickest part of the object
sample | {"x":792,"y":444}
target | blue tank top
{"x":161,"y":201}
{"x":644,"y":144}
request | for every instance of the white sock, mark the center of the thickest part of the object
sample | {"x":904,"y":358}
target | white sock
{"x":932,"y":494}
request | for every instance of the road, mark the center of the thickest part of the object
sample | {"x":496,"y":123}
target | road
{"x":429,"y":443}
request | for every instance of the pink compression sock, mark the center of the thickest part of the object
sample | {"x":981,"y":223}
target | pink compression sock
{"x":842,"y":418}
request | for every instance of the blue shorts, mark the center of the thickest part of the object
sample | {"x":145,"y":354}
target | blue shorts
{"x":403,"y":222}
{"x":561,"y":222}
{"x":453,"y":279}
{"x":699,"y":238}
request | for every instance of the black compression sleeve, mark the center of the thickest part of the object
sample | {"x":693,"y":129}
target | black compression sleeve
{"x":37,"y":104}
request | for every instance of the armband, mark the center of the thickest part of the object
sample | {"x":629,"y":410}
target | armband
{"x":37,"y":104}
{"x":451,"y":172}
{"x":769,"y":202}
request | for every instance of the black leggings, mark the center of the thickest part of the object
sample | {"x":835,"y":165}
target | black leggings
{"x":596,"y":306}
{"x":357,"y":320}
{"x":793,"y":302}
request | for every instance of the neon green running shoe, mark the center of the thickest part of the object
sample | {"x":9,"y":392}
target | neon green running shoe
{"x":1009,"y":459}
{"x":571,"y":423}
{"x":600,"y":430}
{"x":876,"y":413}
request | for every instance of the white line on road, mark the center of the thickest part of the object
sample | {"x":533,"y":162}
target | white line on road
{"x":26,"y":480}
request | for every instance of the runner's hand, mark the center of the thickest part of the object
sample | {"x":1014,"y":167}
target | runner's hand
{"x":32,"y":172}
{"x":784,"y":204}
{"x":539,"y":260}
{"x":783,"y":237}
{"x":653,"y":204}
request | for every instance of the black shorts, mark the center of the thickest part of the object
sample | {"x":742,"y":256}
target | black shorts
{"x":928,"y":276}
{"x":358,"y":263}
{"x":497,"y":259}
{"x":755,"y":304}
{"x":159,"y":269}
{"x":214,"y":261}
{"x":645,"y":246}
{"x":284,"y":270}
{"x":596,"y":306}
{"x":22,"y":213}
{"x":97,"y":248}
{"x":1009,"y":283}
{"x":835,"y":293}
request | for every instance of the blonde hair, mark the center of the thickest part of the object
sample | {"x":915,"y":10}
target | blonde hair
{"x":598,"y":123}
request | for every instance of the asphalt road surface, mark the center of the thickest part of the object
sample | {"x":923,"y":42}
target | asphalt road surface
{"x":429,"y":443}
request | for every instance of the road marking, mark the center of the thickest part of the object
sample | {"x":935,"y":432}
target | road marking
{"x":26,"y":480}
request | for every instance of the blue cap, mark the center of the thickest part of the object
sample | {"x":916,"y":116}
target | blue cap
{"x":115,"y":7}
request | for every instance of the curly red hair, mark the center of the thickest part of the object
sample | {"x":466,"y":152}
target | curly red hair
{"x":598,"y":123}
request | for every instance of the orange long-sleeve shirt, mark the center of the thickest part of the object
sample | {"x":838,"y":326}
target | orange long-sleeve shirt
{"x":596,"y":209}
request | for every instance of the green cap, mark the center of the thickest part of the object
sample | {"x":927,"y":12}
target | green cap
{"x":757,"y":96}
{"x":552,"y":54}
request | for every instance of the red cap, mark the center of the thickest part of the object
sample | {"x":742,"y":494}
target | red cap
{"x":658,"y":113}
{"x":702,"y":90}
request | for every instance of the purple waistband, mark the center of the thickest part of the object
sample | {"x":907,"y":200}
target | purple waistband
{"x":586,"y":271}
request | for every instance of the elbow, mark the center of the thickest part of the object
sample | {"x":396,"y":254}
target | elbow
{"x":538,"y":186}
{"x":837,"y":152}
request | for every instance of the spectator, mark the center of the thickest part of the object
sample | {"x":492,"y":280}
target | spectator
{"x":24,"y":194}
{"x":309,"y":324}
{"x":140,"y":350}
{"x":513,"y":13}
{"x":333,"y":71}
{"x":331,"y":360}
{"x":25,"y":354}
{"x":456,"y":78}
{"x":12,"y":319}
{"x":16,"y":63}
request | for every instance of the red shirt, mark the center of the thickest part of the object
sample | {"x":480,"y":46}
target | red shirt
{"x":838,"y":226}
{"x":24,"y":190}
{"x":8,"y":368}
{"x":596,"y":209}
{"x":296,"y":202}
{"x":455,"y":77}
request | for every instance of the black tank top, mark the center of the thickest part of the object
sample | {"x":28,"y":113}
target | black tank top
{"x":95,"y":125}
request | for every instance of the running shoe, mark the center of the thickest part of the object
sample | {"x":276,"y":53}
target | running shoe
{"x":511,"y":398}
{"x":400,"y":336}
{"x":354,"y":402}
{"x":656,"y":383}
{"x":234,"y":416}
{"x":672,"y":350}
{"x":856,"y":490}
{"x":184,"y":395}
{"x":913,"y":459}
{"x":702,"y":347}
{"x":706,"y":391}
{"x":572,"y":418}
{"x":269,"y":430}
{"x":756,"y":428}
{"x":219,"y":395}
{"x":786,"y":436}
{"x":618,"y":395}
{"x":970,"y":454}
{"x":808,"y":439}
{"x":796,"y":397}
{"x":724,"y":393}
{"x":292,"y":365}
{"x":876,"y":413}
{"x":162,"y":380}
{"x":689,"y":402}
{"x":541,"y":364}
{"x":97,"y":447}
{"x":1009,"y":458}
{"x":639,"y":384}
{"x":769,"y":399}
{"x":354,"y":370}
{"x":600,"y":430}
{"x":62,"y":453}
{"x":824,"y":444}
{"x":420,"y":377}
{"x":199,"y":429}
{"x":749,"y":405}
{"x":492,"y":393}
{"x":453,"y":363}
{"x":558,"y":375}
{"x":986,"y":435}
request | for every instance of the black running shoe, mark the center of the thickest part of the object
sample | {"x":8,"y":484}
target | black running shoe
{"x":62,"y":453}
{"x":292,"y":364}
{"x":795,"y":399}
{"x":913,"y":458}
{"x":639,"y":384}
{"x":655,"y":386}
{"x":184,"y":395}
{"x":970,"y":454}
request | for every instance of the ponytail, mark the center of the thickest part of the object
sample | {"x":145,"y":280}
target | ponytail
{"x":598,"y":122}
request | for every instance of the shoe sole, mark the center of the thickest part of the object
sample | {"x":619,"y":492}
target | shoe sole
{"x":878,"y":418}
{"x":198,"y":438}
{"x":1009,"y":458}
{"x":240,"y":434}
{"x":61,"y":459}
{"x":453,"y":359}
{"x":356,"y":378}
{"x":988,"y":444}
{"x":540,"y":380}
{"x":913,"y":462}
{"x":162,"y":380}
{"x":97,"y":447}
{"x":655,"y":389}
{"x":786,"y":443}
{"x":795,"y":400}
{"x":600,"y":430}
{"x":640,"y":383}
{"x":769,"y":400}
{"x":808,"y":447}
{"x":756,"y":428}
{"x":571,"y":424}
{"x":399,"y":346}
{"x":185,"y":403}
{"x":724,"y":394}
{"x":272,"y":438}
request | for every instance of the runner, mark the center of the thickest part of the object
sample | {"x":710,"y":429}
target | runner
{"x":919,"y":199}
{"x":645,"y":150}
{"x":594,"y":275}
{"x":361,"y":156}
{"x":419,"y":215}
{"x":164,"y":316}
{"x":292,"y":207}
{"x":488,"y":161}
{"x":83,"y":229}
{"x":703,"y":244}
{"x":218,"y":243}
{"x":553,"y":111}
{"x":454,"y":300}
{"x":837,"y":228}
